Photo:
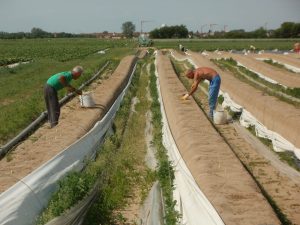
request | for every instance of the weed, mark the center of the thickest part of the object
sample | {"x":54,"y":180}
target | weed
{"x":165,"y":170}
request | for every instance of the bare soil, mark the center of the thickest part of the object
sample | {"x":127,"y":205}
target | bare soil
{"x":286,"y":59}
{"x":276,"y":115}
{"x":280,"y":181}
{"x":282,"y":76}
{"x":216,"y":169}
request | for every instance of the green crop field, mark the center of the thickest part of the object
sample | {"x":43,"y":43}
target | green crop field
{"x":21,"y":95}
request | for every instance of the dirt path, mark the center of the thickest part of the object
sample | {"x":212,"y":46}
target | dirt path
{"x":75,"y":121}
{"x":282,"y":76}
{"x":218,"y":172}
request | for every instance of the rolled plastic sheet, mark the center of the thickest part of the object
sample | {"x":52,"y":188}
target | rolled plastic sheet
{"x":22,"y":203}
{"x":152,"y":209}
{"x":192,"y":204}
{"x":279,"y":143}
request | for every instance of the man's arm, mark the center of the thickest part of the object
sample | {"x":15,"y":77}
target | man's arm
{"x":69,"y":87}
{"x":193,"y":88}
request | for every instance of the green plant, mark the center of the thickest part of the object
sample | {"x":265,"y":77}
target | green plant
{"x":165,"y":170}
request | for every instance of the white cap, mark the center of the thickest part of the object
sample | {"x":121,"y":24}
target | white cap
{"x":78,"y":69}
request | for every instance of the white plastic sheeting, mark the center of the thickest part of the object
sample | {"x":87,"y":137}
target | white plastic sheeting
{"x":184,"y":58}
{"x":23,"y":202}
{"x":228,"y":102}
{"x":260,"y":75}
{"x":279,"y":143}
{"x":151,"y":212}
{"x":13,"y":65}
{"x":191,"y":202}
{"x":290,"y":67}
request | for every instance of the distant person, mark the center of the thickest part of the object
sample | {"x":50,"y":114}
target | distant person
{"x":55,"y":83}
{"x":181,"y":48}
{"x":205,"y":73}
{"x":297,"y":47}
{"x":252,"y":48}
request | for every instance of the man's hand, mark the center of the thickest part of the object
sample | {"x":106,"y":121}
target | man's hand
{"x":185,"y":96}
{"x":78,"y":92}
{"x":71,"y":89}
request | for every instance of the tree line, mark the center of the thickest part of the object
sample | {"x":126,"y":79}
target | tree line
{"x":39,"y":33}
{"x":286,"y":30}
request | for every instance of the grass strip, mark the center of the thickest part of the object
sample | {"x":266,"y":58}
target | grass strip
{"x":165,"y":171}
{"x":273,"y":89}
{"x":278,"y":65}
{"x":112,"y":167}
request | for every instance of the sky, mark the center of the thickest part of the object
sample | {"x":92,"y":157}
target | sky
{"x":86,"y":16}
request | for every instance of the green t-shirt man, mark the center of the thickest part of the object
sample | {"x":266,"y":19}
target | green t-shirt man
{"x":55,"y":82}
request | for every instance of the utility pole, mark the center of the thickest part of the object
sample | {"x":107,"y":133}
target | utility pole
{"x":266,"y":23}
{"x":225,"y":26}
{"x":142,"y":22}
{"x":202,"y":27}
{"x":211,"y":26}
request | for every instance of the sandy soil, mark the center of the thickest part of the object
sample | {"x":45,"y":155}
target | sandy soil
{"x":279,"y":180}
{"x":75,"y":121}
{"x":286,"y":59}
{"x":294,"y":55}
{"x":276,"y":115}
{"x":216,"y":169}
{"x":282,"y":76}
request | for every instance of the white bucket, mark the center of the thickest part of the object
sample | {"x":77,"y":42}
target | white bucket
{"x":86,"y":100}
{"x":220,"y":117}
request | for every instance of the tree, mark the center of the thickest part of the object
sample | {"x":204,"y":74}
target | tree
{"x":39,"y":33}
{"x":285,"y":30}
{"x":128,"y":29}
{"x":170,"y":32}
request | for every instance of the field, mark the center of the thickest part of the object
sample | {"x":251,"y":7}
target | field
{"x":238,"y":172}
{"x":21,"y":96}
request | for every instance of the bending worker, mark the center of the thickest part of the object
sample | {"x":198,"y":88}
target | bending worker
{"x":55,"y":83}
{"x":200,"y":74}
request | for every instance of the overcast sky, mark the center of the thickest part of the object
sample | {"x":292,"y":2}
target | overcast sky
{"x":77,"y":16}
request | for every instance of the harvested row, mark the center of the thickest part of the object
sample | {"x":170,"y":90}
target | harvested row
{"x":279,"y":180}
{"x":276,"y":115}
{"x":218,"y":172}
{"x":74,"y":123}
{"x":284,"y":77}
{"x":282,"y":59}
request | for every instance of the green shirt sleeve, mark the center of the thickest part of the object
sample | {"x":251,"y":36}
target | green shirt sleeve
{"x":54,"y":81}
